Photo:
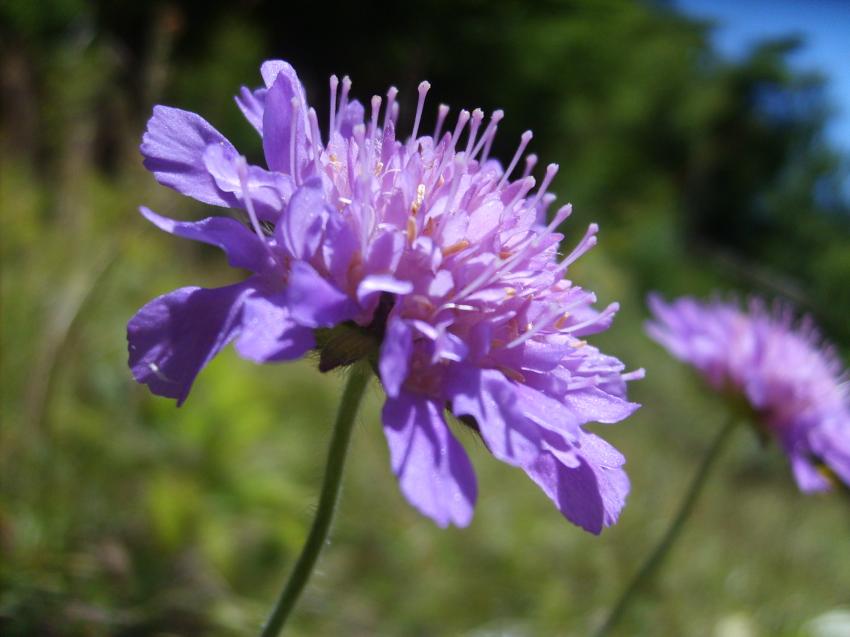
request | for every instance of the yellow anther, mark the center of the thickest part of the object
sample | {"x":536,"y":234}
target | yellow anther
{"x":562,"y":320}
{"x":428,"y":230}
{"x":411,"y":229}
{"x":513,"y":328}
{"x":510,"y":292}
{"x":512,"y":374}
{"x":463,"y":244}
{"x":420,"y":197}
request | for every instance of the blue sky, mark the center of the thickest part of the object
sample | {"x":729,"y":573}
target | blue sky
{"x":824,"y":25}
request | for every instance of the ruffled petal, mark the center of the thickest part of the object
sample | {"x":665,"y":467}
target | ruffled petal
{"x":173,"y":147}
{"x":488,"y":397}
{"x":279,"y":118}
{"x":338,"y":249}
{"x":836,"y":456}
{"x":172,"y":337}
{"x":591,"y":404}
{"x":371,"y":287}
{"x":242,"y":247}
{"x":395,"y":355}
{"x":271,"y":70}
{"x":547,"y":413}
{"x":808,"y":478}
{"x":269,"y":334}
{"x":252,"y":105}
{"x":268,"y":191}
{"x":312,"y":301}
{"x":301,"y":227}
{"x":433,"y":470}
{"x":827,"y":443}
{"x":584,"y":480}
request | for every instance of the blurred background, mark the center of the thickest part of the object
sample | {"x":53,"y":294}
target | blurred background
{"x":709,"y":140}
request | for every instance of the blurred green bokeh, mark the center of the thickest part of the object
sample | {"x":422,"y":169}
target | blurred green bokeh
{"x":121,"y":515}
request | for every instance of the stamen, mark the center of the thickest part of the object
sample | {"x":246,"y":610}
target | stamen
{"x":442,"y":112}
{"x":603,"y":315}
{"x":486,"y":152}
{"x":242,"y":172}
{"x":492,"y":125}
{"x":561,"y":215}
{"x":532,"y":330}
{"x":587,"y":242}
{"x":477,"y":117}
{"x":424,"y":87}
{"x":317,"y":139}
{"x":530,"y":163}
{"x":334,"y":83}
{"x":551,"y":171}
{"x":634,"y":375}
{"x":343,"y":98}
{"x":392,"y":92}
{"x":394,"y":114}
{"x":523,"y":142}
{"x":376,"y":108}
{"x":462,"y":119}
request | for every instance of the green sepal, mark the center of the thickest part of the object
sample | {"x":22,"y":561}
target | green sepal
{"x":345,"y":344}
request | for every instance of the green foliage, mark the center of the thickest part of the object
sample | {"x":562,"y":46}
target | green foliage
{"x":120,"y":515}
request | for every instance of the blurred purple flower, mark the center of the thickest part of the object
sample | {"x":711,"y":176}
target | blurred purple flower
{"x":424,"y":246}
{"x":794,"y":383}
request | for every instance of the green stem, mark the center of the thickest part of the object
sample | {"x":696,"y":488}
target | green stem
{"x":357,"y":380}
{"x":653,"y":562}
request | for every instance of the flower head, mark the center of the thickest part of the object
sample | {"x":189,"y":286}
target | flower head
{"x":423,"y":247}
{"x":794,"y":384}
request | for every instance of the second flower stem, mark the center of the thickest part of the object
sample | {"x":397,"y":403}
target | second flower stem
{"x":357,"y":380}
{"x":653,"y":562}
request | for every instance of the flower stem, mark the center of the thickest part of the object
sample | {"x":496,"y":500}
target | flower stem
{"x":359,"y":376}
{"x":653,"y":562}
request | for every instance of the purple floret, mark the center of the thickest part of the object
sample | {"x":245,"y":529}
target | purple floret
{"x":795,"y":385}
{"x":426,"y":245}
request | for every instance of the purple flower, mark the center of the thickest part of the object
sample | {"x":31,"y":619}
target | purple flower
{"x":424,"y":248}
{"x":794,"y":384}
